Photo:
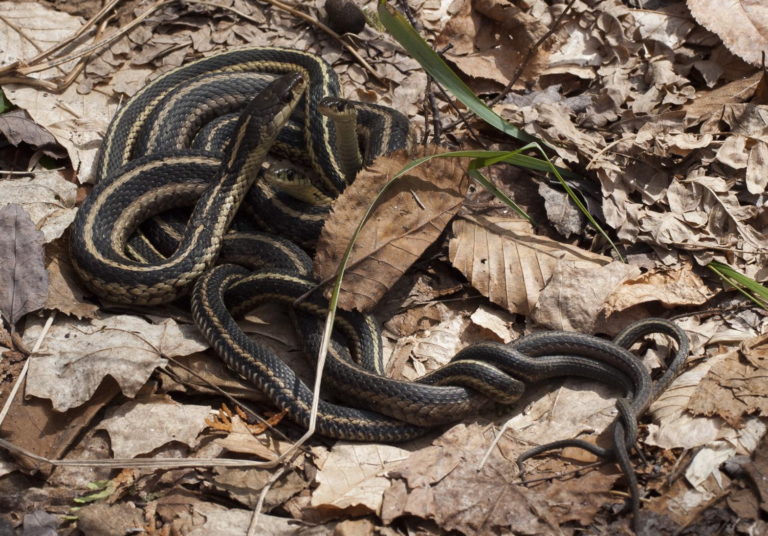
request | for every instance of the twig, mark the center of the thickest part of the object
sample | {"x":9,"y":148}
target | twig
{"x":143,"y":463}
{"x":19,"y":173}
{"x":436,"y":124}
{"x":244,"y":16}
{"x":563,"y":474}
{"x":60,"y":84}
{"x":25,"y":368}
{"x":98,"y":45}
{"x":321,"y":357}
{"x":462,"y":117}
{"x":716,"y":311}
{"x":605,"y":149}
{"x":254,"y":524}
{"x":521,"y":67}
{"x":493,"y":444}
{"x":21,"y":32}
{"x":107,"y":9}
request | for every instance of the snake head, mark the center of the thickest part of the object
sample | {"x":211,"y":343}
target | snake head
{"x":261,"y":121}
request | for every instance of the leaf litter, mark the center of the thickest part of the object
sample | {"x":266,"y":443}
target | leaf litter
{"x":660,"y":104}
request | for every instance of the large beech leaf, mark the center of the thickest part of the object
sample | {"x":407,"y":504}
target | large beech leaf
{"x":409,"y":217}
{"x":505,"y":261}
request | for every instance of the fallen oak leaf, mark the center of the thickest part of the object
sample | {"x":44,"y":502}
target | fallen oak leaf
{"x":410,"y":216}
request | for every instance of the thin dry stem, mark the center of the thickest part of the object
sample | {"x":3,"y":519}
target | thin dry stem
{"x":23,"y":374}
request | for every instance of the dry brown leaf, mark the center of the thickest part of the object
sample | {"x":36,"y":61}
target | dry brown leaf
{"x":431,"y":346}
{"x":747,"y":501}
{"x":710,"y":102}
{"x":77,"y":355}
{"x":65,"y":293}
{"x":199,"y":372}
{"x":741,"y":24}
{"x":669,"y":25}
{"x":715,"y":441}
{"x":409,"y":217}
{"x":42,"y":28}
{"x":90,"y":445}
{"x":23,"y":279}
{"x":757,"y":168}
{"x":734,"y":389}
{"x":490,"y":39}
{"x":244,"y":484}
{"x":6,"y":468}
{"x":672,"y":288}
{"x":39,"y":521}
{"x":566,"y":218}
{"x":207,"y":518}
{"x":580,"y":408}
{"x":17,"y":127}
{"x":103,"y":518}
{"x":733,"y":152}
{"x":159,"y":422}
{"x":747,"y":119}
{"x":241,"y":440}
{"x":676,"y":427}
{"x":353,"y":478}
{"x":33,"y":424}
{"x":575,"y":296}
{"x":505,"y":261}
{"x":492,"y":322}
{"x":76,"y":121}
{"x":47,"y":197}
{"x":445,"y":483}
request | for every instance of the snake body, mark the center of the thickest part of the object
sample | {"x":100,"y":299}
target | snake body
{"x":197,"y":136}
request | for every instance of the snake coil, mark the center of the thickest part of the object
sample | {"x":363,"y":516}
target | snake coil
{"x":198,"y":137}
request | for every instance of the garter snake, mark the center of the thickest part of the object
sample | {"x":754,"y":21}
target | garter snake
{"x":144,"y":147}
{"x":166,"y":148}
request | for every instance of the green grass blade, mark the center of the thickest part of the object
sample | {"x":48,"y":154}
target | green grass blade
{"x":521,"y":160}
{"x":504,"y":198}
{"x":5,"y":104}
{"x":753,"y":290}
{"x":405,"y":34}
